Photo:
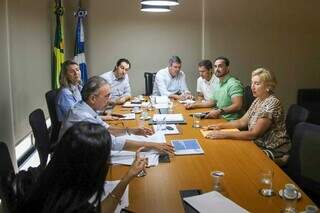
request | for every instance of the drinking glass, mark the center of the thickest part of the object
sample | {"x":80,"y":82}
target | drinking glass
{"x":266,"y":181}
{"x":217,"y":178}
{"x":290,"y":196}
{"x":196,"y":120}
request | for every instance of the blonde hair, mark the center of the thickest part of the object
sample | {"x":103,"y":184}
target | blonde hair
{"x":267,"y":77}
{"x":63,"y":78}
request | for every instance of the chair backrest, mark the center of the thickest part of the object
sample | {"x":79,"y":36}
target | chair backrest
{"x":304,"y":161}
{"x":41,"y":135}
{"x":310,"y":99}
{"x":296,"y":114}
{"x":51,"y":97}
{"x":6,"y":169}
{"x":248,"y":98}
{"x":149,"y":79}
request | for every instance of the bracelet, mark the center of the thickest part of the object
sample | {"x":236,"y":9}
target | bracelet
{"x":115,"y":197}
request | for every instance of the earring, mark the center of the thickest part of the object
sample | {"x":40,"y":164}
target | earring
{"x":268,"y":90}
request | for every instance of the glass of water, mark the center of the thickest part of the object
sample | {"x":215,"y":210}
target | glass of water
{"x":266,"y":181}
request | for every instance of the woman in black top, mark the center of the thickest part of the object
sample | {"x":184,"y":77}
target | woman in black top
{"x":77,"y":172}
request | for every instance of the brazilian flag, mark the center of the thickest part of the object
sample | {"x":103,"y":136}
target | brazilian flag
{"x":58,"y":52}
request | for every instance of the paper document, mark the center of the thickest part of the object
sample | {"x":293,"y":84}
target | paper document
{"x":168,"y":117}
{"x":169,"y":129}
{"x":206,"y":132}
{"x":188,"y":101}
{"x":214,"y":202}
{"x":128,"y":116}
{"x":108,"y":187}
{"x":162,"y":99}
{"x":186,"y":147}
{"x":161,"y":106}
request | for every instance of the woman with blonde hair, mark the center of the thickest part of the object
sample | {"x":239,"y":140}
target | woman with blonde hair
{"x":265,"y":120}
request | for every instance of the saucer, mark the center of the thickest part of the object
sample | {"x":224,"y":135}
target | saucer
{"x":281,"y":193}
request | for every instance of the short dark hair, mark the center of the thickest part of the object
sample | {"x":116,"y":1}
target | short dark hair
{"x":122,"y":60}
{"x":226,"y":61}
{"x":174,"y":59}
{"x":92,"y":86}
{"x":205,"y":63}
{"x":63,"y":79}
{"x":76,"y":172}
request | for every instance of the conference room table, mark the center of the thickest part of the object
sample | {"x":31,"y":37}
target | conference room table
{"x":240,"y":160}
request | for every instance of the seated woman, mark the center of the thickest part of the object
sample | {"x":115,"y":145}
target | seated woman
{"x":70,"y":91}
{"x":70,"y":88}
{"x":77,"y":173}
{"x":265,"y":120}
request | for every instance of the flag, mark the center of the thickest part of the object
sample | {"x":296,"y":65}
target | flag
{"x":58,"y":52}
{"x":79,"y":51}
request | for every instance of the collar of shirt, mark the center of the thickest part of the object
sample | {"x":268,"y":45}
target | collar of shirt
{"x":210,"y":81}
{"x":225,"y":79}
{"x":88,"y":109}
{"x":74,"y":88}
{"x":114,"y":78}
{"x":177,"y":76}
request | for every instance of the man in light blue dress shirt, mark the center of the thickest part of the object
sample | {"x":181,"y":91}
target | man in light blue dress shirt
{"x":69,"y":93}
{"x":95,"y":95}
{"x":118,"y":79}
{"x":171,"y":81}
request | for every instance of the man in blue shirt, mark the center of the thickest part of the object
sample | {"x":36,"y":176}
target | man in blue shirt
{"x":95,"y":96}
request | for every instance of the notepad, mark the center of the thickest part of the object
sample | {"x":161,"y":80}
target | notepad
{"x":206,"y":132}
{"x":187,"y":147}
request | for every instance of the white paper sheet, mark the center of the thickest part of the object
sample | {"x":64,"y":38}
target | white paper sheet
{"x":188,"y":101}
{"x":168,"y":117}
{"x":128,"y":116}
{"x":109,"y":186}
{"x":174,"y":130}
{"x":214,"y":202}
{"x":162,"y":99}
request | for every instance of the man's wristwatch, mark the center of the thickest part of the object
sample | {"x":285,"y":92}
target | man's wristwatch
{"x":222,"y":112}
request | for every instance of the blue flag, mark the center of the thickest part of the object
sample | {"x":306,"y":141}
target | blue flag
{"x":79,"y":51}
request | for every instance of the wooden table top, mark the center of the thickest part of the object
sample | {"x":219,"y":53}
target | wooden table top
{"x":241,"y":161}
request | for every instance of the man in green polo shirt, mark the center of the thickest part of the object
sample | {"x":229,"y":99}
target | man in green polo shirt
{"x":227,"y":97}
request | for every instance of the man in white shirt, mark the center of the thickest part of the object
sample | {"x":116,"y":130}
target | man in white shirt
{"x":206,"y":81}
{"x":171,"y":81}
{"x":118,"y":79}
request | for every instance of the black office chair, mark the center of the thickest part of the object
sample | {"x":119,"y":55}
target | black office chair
{"x":51,"y":97}
{"x":248,"y":98}
{"x":149,"y":79}
{"x":310,"y":99}
{"x":304,"y":161}
{"x":41,"y":135}
{"x":6,"y":176}
{"x":296,"y":114}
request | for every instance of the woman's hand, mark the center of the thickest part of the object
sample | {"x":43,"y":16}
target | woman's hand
{"x":212,"y":127}
{"x":216,"y":135}
{"x":138,"y":165}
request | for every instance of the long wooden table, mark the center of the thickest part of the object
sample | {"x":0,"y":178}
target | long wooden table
{"x":241,"y":161}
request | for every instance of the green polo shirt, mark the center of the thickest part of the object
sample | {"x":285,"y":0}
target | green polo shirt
{"x":228,"y":88}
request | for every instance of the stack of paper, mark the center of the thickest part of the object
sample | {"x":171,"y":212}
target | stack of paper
{"x":128,"y":116}
{"x":168,"y":117}
{"x":128,"y":104}
{"x":214,"y":202}
{"x":188,"y":101}
{"x":170,"y":129}
{"x":127,"y":157}
{"x":162,"y":99}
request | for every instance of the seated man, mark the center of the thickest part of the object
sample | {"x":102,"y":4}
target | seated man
{"x":206,"y":81}
{"x":228,"y":94}
{"x":171,"y":81}
{"x":95,"y":95}
{"x":119,"y":81}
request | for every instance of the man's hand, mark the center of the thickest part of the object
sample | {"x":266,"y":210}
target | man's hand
{"x":189,"y":106}
{"x":213,"y":114}
{"x":120,"y":100}
{"x":141,"y":131}
{"x":109,"y":118}
{"x":161,"y":147}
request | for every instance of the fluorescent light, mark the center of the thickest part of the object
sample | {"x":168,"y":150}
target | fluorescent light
{"x":155,"y":9}
{"x":160,"y":2}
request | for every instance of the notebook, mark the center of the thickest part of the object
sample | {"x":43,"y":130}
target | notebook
{"x":187,"y":147}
